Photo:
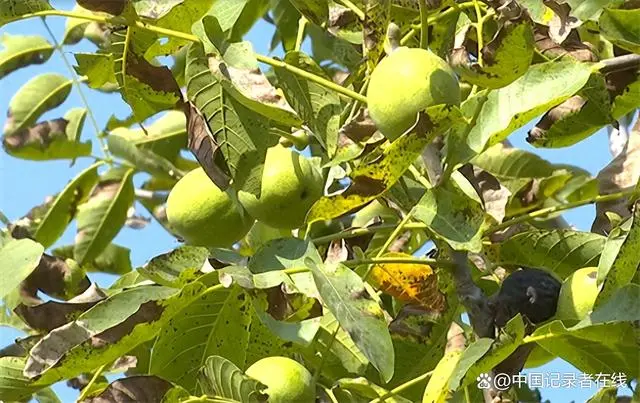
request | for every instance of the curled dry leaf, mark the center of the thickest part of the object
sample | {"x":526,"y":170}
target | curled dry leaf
{"x":572,"y":46}
{"x":621,"y":173}
{"x":56,"y":277}
{"x":494,"y":195}
{"x":411,"y":283}
{"x":52,"y":314}
{"x":204,"y":147}
{"x":360,"y":128}
{"x":140,"y":388}
{"x":562,"y":22}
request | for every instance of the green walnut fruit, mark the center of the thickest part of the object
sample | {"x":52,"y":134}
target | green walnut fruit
{"x":578,"y":294}
{"x":404,"y":83}
{"x":290,"y":185}
{"x":287,"y":381}
{"x":204,"y":215}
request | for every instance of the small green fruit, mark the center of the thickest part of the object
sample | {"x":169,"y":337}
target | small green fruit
{"x":287,"y":381}
{"x":404,"y":83}
{"x":204,"y":215}
{"x":290,"y":185}
{"x":578,"y":294}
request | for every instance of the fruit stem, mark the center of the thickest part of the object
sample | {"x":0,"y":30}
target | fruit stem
{"x":456,"y":8}
{"x":424,"y":25}
{"x":396,"y":232}
{"x":302,"y":25}
{"x":402,"y":387}
{"x":479,"y":28}
{"x":87,"y":388}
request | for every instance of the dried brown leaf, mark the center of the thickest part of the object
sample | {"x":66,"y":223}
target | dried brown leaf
{"x":204,"y":147}
{"x":140,"y":388}
{"x":360,"y":128}
{"x":621,"y":173}
{"x":570,"y":47}
{"x":52,"y":314}
{"x":57,"y":278}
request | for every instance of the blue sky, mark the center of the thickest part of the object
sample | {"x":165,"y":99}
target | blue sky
{"x":24,"y":184}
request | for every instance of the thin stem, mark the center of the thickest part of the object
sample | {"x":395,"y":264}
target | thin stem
{"x":479,"y":29}
{"x":312,"y":77}
{"x":419,"y":177}
{"x":76,"y":83}
{"x":402,"y":387}
{"x":302,"y":24}
{"x":398,"y":260}
{"x":397,"y":231}
{"x":438,"y":17}
{"x":424,"y":25}
{"x":316,"y":373}
{"x":554,"y":209}
{"x":95,"y":376}
{"x":348,"y":4}
{"x":356,"y":232}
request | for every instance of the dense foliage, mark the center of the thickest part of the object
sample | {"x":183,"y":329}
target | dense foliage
{"x":403,"y":265}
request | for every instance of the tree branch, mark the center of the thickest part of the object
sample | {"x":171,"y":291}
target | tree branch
{"x":620,"y":63}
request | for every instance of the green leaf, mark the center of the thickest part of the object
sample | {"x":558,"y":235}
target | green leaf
{"x":154,"y":9}
{"x":283,"y":253}
{"x":13,"y":385}
{"x":341,"y":346}
{"x":123,"y":321}
{"x":22,"y":51}
{"x":437,"y":390}
{"x":472,"y":354}
{"x":176,"y":268}
{"x":165,"y":137}
{"x":508,"y":163}
{"x":506,"y":58}
{"x":97,"y":68}
{"x":604,"y":395}
{"x":237,"y":16}
{"x":302,"y":332}
{"x":220,"y":377}
{"x":74,"y":27}
{"x":587,"y":9}
{"x":18,"y":258}
{"x":114,"y":259}
{"x":621,"y":27}
{"x":286,"y":19}
{"x":102,"y":216}
{"x":370,"y":180}
{"x":180,"y":18}
{"x":216,"y":324}
{"x":63,"y":208}
{"x":147,"y":88}
{"x":377,"y":16}
{"x":318,"y":106}
{"x":626,"y":264}
{"x":365,"y":388}
{"x":243,"y":135}
{"x":542,"y":87}
{"x":142,"y":158}
{"x":604,"y":339}
{"x":576,"y":118}
{"x":40,"y":94}
{"x":316,"y":11}
{"x":627,"y":101}
{"x":344,"y":293}
{"x":503,"y":346}
{"x":50,"y":140}
{"x":559,"y":251}
{"x":453,"y":212}
{"x":12,"y":10}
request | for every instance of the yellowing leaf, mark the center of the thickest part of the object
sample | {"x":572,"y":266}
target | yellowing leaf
{"x":414,"y":283}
